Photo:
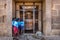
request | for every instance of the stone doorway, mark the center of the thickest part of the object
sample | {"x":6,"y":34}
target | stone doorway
{"x":31,"y":14}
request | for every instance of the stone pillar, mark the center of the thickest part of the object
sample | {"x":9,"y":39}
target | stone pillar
{"x":13,"y":8}
{"x":9,"y":17}
{"x":48,"y":17}
{"x":39,"y":18}
{"x":18,"y":11}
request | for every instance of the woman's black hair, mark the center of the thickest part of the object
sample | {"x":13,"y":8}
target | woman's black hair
{"x":13,"y":18}
{"x":16,"y":19}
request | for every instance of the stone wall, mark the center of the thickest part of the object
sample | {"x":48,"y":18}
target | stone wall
{"x":3,"y":30}
{"x":51,"y":20}
{"x":5,"y":17}
{"x":55,"y":17}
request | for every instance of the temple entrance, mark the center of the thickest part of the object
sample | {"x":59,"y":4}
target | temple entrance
{"x":28,"y":14}
{"x":31,"y":15}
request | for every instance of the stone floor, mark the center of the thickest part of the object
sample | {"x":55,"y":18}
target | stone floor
{"x":28,"y":37}
{"x":31,"y":37}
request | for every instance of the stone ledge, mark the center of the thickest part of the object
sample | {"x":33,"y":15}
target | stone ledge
{"x":6,"y":38}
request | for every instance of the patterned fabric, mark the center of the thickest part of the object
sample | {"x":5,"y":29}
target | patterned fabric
{"x":15,"y":29}
{"x":16,"y":24}
{"x":21,"y":25}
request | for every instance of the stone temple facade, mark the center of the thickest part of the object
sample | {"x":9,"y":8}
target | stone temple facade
{"x":50,"y":17}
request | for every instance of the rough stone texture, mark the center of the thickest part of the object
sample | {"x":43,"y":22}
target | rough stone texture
{"x":55,"y":17}
{"x":6,"y":38}
{"x":52,"y":38}
{"x":30,"y":37}
{"x":5,"y":17}
{"x":3,"y":30}
{"x":9,"y":17}
{"x":48,"y":17}
{"x":56,"y":1}
{"x":6,"y":10}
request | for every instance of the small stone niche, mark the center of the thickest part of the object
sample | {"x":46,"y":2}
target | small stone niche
{"x":2,"y":19}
